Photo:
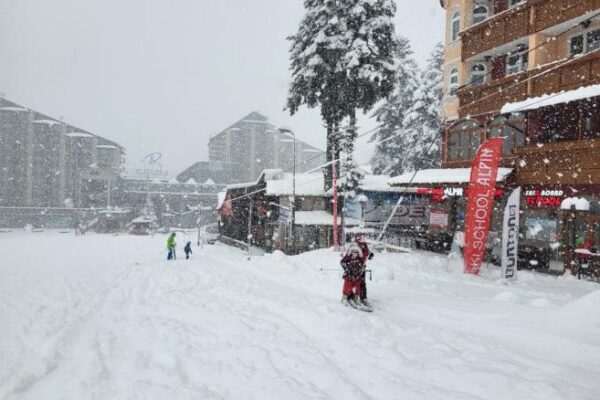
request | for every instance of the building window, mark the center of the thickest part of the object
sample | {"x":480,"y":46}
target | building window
{"x":453,"y":82}
{"x":455,"y":26}
{"x":463,"y":140}
{"x":518,"y":62}
{"x":590,"y":118}
{"x":585,"y":42}
{"x":511,"y":129}
{"x":480,"y":13}
{"x":478,"y":73}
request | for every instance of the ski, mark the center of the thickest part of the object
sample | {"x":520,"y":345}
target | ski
{"x":359,"y":307}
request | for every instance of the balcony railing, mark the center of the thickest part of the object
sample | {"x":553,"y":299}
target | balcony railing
{"x":547,"y":13}
{"x":573,"y":162}
{"x":497,"y":30}
{"x":525,"y":19}
{"x":553,"y":78}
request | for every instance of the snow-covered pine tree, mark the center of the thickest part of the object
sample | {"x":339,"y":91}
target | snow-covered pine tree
{"x":315,"y":52}
{"x":351,"y":174}
{"x":389,"y":156}
{"x":423,"y":121}
{"x":369,"y":69}
{"x":342,"y":61}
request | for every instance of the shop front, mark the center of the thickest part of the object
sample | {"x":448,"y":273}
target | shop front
{"x":444,"y":192}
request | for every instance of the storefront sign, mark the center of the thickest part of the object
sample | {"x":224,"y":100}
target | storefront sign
{"x":480,"y":202}
{"x":549,"y":198}
{"x":440,"y":194}
{"x":510,"y":236}
{"x":410,"y":214}
{"x":284,"y":216}
{"x":438,"y":218}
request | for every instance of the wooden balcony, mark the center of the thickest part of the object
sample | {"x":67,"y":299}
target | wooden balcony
{"x":552,"y":78}
{"x":547,"y":13}
{"x":497,"y":30}
{"x":528,"y":18}
{"x":570,"y":163}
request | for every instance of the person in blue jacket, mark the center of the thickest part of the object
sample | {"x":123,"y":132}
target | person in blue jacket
{"x":188,"y":250}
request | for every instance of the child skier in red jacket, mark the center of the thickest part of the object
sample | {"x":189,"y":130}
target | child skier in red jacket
{"x":353,"y":266}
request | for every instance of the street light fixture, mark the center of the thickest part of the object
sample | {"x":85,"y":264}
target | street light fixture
{"x":285,"y":130}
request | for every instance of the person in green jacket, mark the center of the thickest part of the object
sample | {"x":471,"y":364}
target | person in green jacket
{"x":171,"y":247}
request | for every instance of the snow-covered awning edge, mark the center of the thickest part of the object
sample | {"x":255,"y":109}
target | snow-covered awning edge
{"x":534,"y":103}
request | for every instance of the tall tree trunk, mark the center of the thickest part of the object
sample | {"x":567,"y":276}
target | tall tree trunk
{"x":328,"y":156}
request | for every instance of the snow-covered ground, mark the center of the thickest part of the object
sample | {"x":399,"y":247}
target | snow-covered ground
{"x":105,"y":317}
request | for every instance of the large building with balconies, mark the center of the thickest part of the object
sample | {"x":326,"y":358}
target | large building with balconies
{"x":251,"y":145}
{"x":47,"y":163}
{"x":529,"y":71}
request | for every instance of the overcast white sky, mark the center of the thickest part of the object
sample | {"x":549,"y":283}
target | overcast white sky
{"x":158,"y":75}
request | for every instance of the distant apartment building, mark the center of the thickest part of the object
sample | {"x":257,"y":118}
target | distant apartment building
{"x":45,"y":162}
{"x":249,"y":146}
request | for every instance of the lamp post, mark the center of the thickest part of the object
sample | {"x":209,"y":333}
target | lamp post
{"x":293,"y":208}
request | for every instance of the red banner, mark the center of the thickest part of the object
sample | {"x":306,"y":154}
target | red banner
{"x":480,"y":202}
{"x":226,"y":209}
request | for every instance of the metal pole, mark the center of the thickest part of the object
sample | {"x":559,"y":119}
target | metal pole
{"x":293,"y":196}
{"x":335,"y":198}
{"x":249,"y":227}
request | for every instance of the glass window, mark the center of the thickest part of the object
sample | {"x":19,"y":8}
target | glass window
{"x":464,"y":140}
{"x":453,"y":86}
{"x":455,"y":26}
{"x":517,"y":63}
{"x":465,"y":145}
{"x":593,"y":40}
{"x":480,"y":14}
{"x":559,"y":122}
{"x":591,"y":119}
{"x":585,"y":42}
{"x":576,"y":45}
{"x":478,"y":72}
{"x":511,"y":129}
{"x":453,"y":146}
{"x":474,"y":136}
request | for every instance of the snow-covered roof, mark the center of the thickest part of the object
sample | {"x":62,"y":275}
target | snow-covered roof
{"x":442,"y":175}
{"x":78,"y":135}
{"x":580,"y":204}
{"x":209,"y":182}
{"x":358,"y":229}
{"x":267,"y":175}
{"x":46,"y":121}
{"x":221,"y":196}
{"x":191,"y":181}
{"x":306,"y":185}
{"x":552,"y":99}
{"x":106,"y":146}
{"x":142,"y":219}
{"x":173,"y":181}
{"x":319,"y":217}
{"x":241,"y":185}
{"x":377,"y":183}
{"x":13,"y":109}
{"x":272,"y":173}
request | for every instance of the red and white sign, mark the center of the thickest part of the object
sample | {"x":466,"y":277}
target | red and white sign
{"x":480,"y":202}
{"x":438,"y":218}
{"x":547,"y":198}
{"x":441,"y":194}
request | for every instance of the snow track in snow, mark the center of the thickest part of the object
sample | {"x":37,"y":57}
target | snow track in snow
{"x":106,"y":317}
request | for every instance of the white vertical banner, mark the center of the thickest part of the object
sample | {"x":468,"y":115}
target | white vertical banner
{"x":510,"y":236}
